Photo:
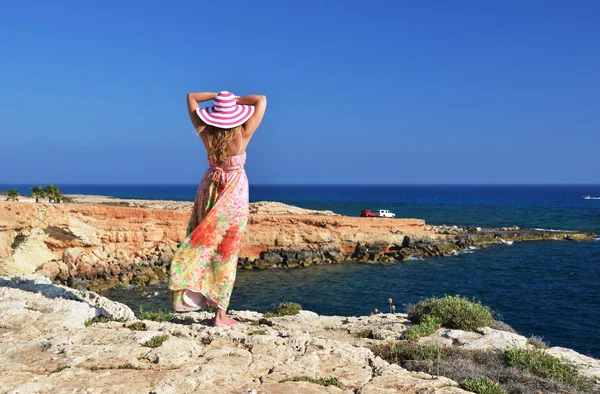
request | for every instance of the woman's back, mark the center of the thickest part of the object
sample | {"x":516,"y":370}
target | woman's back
{"x":227,"y":127}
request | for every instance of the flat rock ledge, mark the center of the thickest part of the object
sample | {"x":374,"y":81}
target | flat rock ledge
{"x":46,"y":347}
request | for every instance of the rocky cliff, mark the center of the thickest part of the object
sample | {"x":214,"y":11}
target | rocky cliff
{"x":123,"y":241}
{"x":105,"y":240}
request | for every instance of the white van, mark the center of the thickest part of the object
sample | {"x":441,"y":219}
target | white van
{"x":384,"y":213}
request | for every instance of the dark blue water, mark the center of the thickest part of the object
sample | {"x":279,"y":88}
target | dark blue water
{"x":549,"y":289}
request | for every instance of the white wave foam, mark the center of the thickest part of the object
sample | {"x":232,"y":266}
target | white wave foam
{"x":554,"y":231}
{"x":466,"y":251}
{"x":473,"y":247}
{"x":411,"y":257}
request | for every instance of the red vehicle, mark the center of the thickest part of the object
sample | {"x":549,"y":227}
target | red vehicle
{"x":366,"y":213}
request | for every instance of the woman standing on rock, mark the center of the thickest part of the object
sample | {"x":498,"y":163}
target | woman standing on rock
{"x":203,"y":270}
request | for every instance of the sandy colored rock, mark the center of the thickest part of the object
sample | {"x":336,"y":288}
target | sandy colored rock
{"x":45,"y":346}
{"x":105,"y":237}
{"x":28,"y":253}
{"x":588,"y":366}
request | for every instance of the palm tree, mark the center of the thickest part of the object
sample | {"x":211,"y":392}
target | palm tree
{"x":37,"y":192}
{"x":53,"y":193}
{"x":58,"y":196}
{"x":13,"y":194}
{"x":50,"y":192}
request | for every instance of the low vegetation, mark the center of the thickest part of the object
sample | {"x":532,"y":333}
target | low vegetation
{"x":537,"y":342}
{"x":323,"y":382}
{"x":542,"y":364}
{"x":401,"y":352}
{"x":62,"y":367}
{"x":128,"y":366}
{"x":138,"y":326}
{"x":368,"y":334}
{"x":285,"y":309}
{"x":483,"y":385}
{"x":121,"y":366}
{"x":515,"y":370}
{"x":102,"y":319}
{"x":451,"y":311}
{"x":158,"y":316}
{"x":427,"y":326}
{"x":258,"y":332}
{"x":156,"y":341}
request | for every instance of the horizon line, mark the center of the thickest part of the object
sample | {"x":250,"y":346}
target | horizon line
{"x":307,"y":184}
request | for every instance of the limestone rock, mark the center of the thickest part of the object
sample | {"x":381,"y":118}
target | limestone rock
{"x":29,"y":253}
{"x":588,"y":366}
{"x":100,"y":306}
{"x":45,"y":347}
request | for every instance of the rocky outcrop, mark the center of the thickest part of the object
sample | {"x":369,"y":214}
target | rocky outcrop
{"x":47,"y":345}
{"x":115,"y":244}
{"x":133,"y":244}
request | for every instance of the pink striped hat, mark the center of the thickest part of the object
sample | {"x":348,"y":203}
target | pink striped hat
{"x":226,"y":112}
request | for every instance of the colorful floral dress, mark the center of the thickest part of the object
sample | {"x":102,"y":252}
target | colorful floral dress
{"x":206,"y":261}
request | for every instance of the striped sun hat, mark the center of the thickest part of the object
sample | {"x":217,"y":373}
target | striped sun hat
{"x":226,"y":112}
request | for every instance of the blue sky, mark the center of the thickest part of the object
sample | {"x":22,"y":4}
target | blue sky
{"x":391,"y":92}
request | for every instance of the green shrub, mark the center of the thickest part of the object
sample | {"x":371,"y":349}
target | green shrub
{"x":138,"y":326}
{"x":462,"y":364}
{"x":155,"y":341}
{"x":102,"y":319}
{"x":158,"y":316}
{"x":482,"y":385}
{"x":453,"y":311}
{"x":62,"y":367}
{"x":368,"y":334}
{"x":128,"y":366}
{"x":399,"y":352}
{"x":537,"y":342}
{"x":542,"y":364}
{"x":323,"y":382}
{"x":285,"y":309}
{"x":427,"y":326}
{"x":258,"y":332}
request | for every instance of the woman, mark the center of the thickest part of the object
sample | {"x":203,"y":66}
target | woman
{"x":203,"y":269}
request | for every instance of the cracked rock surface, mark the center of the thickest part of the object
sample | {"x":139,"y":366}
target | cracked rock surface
{"x":46,"y":347}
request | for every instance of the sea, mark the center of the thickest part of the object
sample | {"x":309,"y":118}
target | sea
{"x":548,"y":289}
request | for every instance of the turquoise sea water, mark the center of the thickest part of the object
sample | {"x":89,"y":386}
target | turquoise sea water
{"x":549,"y":289}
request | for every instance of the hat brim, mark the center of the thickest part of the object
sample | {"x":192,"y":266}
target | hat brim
{"x":226,"y":120}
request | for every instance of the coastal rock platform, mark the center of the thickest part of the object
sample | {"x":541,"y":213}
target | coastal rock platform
{"x":48,"y":345}
{"x":121,"y":242}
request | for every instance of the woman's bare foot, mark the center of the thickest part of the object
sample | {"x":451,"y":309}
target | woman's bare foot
{"x":221,"y":318}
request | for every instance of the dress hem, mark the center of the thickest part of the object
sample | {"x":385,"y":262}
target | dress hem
{"x":208,"y":301}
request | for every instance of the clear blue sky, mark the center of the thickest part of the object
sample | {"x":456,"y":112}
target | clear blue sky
{"x":359,"y":92}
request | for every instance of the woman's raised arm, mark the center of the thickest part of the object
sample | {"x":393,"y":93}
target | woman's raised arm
{"x":260,"y":105}
{"x":192,"y":104}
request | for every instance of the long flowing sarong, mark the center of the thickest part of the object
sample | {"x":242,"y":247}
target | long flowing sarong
{"x":206,"y":261}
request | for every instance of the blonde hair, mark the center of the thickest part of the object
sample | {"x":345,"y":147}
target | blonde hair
{"x":218,"y":141}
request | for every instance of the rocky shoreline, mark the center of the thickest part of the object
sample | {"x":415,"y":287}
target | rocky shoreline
{"x":48,"y":343}
{"x":116,"y":242}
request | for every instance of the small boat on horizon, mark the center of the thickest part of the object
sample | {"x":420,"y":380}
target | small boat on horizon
{"x":591,"y":198}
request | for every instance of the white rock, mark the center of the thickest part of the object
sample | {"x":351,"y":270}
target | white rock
{"x":588,"y":366}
